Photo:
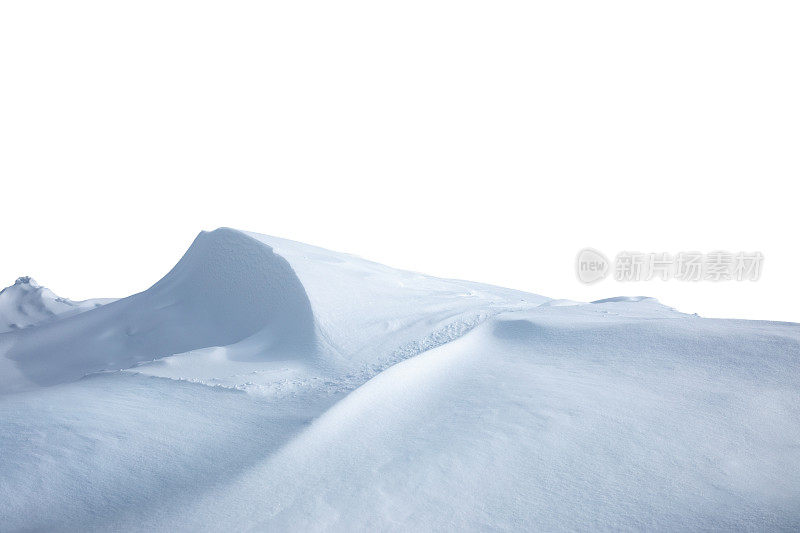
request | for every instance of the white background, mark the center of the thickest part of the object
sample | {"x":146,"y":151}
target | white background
{"x":482,"y":140}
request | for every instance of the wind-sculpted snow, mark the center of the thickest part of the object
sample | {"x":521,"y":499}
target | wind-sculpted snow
{"x":269,"y":385}
{"x":364,"y":309}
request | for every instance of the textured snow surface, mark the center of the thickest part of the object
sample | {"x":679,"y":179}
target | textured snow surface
{"x":264,"y":384}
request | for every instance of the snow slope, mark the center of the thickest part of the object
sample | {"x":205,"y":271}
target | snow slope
{"x":265,"y":384}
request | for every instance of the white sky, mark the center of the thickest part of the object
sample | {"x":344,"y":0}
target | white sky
{"x":482,"y":140}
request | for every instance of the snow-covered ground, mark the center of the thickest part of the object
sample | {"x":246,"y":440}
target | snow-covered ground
{"x":264,"y":384}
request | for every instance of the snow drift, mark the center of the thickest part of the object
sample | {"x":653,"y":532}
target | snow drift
{"x":290,"y":300}
{"x":265,"y":384}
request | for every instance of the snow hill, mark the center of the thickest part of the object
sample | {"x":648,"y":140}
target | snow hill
{"x":265,"y":384}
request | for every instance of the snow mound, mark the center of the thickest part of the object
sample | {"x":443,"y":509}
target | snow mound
{"x":26,"y":303}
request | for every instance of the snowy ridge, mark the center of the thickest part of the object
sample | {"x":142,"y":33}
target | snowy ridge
{"x":366,"y":317}
{"x":360,"y":306}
